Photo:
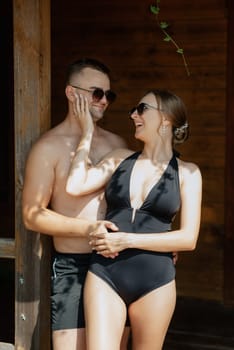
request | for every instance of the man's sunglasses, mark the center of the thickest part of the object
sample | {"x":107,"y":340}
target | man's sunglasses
{"x":97,"y":93}
{"x":141,"y":108}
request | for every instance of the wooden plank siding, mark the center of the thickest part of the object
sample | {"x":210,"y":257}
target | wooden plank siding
{"x":124,"y":35}
{"x":32,"y":117}
{"x":229,"y":174}
{"x":7,"y":248}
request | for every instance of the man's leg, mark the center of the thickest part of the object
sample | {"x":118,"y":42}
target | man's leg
{"x":69,"y":273}
{"x":72,"y":339}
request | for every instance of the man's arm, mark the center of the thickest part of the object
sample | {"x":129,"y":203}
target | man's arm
{"x":37,"y":191}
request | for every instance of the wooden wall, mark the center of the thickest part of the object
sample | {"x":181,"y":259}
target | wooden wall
{"x":124,"y":35}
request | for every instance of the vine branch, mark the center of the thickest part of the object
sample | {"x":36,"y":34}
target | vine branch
{"x":155,"y":9}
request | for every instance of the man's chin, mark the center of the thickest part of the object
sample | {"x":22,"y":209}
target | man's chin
{"x":96,"y":118}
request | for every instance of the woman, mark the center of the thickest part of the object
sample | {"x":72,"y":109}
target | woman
{"x":145,"y":191}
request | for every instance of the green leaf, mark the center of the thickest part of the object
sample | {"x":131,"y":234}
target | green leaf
{"x":167,"y":38}
{"x":181,"y":51}
{"x":164,"y":25}
{"x":154,"y":9}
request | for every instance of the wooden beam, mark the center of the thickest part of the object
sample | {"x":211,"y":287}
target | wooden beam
{"x":7,"y":248}
{"x":229,"y":193}
{"x":6,"y":346}
{"x":31,"y":20}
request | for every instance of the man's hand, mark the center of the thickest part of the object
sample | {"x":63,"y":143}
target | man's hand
{"x":98,"y":234}
{"x":175,"y":257}
{"x":108,"y":243}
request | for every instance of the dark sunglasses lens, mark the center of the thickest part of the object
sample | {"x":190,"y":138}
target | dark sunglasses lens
{"x":99,"y":93}
{"x":110,"y":96}
{"x":132,"y":111}
{"x":140,"y":108}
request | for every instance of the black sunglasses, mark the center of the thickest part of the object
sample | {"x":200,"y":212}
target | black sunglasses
{"x":141,"y":108}
{"x":98,"y":93}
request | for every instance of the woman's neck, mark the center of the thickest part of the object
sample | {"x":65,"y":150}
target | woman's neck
{"x":159,"y":152}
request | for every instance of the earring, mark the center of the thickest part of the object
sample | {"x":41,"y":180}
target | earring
{"x":163,"y":129}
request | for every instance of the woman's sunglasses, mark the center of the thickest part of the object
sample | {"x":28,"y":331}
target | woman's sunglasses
{"x":98,"y":93}
{"x":141,"y":108}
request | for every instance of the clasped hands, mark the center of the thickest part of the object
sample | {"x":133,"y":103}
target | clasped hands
{"x":108,"y":244}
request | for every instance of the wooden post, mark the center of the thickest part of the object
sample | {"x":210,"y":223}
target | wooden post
{"x":7,"y":248}
{"x":6,"y":346}
{"x":32,"y":117}
{"x":229,"y":176}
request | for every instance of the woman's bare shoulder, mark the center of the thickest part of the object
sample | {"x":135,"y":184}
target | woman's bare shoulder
{"x":189,"y":166}
{"x":188,"y":170}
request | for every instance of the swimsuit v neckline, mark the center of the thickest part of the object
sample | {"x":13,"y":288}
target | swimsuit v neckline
{"x":134,"y":159}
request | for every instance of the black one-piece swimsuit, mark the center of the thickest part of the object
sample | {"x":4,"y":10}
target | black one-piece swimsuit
{"x":136,"y":272}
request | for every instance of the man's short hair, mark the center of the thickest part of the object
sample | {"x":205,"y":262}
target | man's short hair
{"x":77,"y":66}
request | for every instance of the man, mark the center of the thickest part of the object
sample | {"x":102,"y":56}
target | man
{"x":48,"y":209}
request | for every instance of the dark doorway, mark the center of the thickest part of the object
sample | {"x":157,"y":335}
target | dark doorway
{"x":7,"y":274}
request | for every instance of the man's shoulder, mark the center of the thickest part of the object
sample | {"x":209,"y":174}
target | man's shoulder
{"x":49,"y":141}
{"x":47,"y":138}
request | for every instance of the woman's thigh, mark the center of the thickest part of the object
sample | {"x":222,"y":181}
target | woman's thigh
{"x":105,"y":315}
{"x":150,"y":317}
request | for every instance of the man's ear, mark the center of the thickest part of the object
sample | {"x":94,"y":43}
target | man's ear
{"x":70,"y":93}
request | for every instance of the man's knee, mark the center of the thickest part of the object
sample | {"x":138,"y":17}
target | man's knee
{"x":69,"y":339}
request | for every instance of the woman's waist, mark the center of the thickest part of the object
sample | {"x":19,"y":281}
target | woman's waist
{"x":138,"y":222}
{"x":130,"y":254}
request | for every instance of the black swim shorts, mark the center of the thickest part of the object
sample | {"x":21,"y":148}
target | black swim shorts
{"x":68,"y":277}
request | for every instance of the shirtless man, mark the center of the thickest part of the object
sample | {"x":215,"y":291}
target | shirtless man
{"x":48,"y":209}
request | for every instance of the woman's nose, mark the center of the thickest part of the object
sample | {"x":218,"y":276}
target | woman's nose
{"x":133,"y":115}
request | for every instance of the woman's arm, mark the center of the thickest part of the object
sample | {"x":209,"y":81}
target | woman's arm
{"x":182,"y":239}
{"x":83,"y":176}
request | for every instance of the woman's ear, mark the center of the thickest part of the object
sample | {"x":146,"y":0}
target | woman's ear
{"x":70,"y":93}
